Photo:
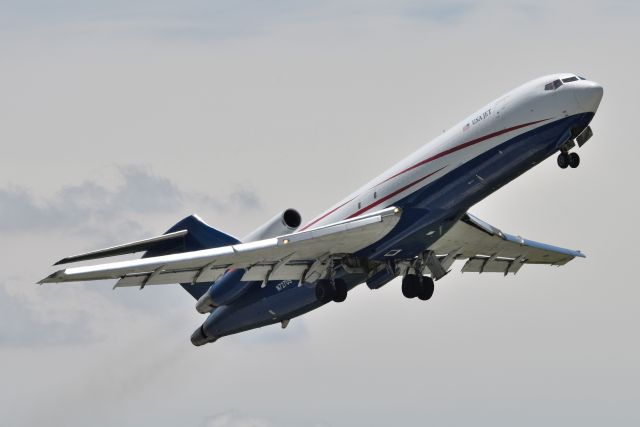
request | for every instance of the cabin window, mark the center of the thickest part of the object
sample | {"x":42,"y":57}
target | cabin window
{"x":375,"y":194}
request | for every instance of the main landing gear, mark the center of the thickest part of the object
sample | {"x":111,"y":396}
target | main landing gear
{"x":414,"y":285}
{"x":327,"y":291}
{"x":566,"y":159}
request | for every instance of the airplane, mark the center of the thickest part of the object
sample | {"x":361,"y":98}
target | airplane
{"x":411,"y":221}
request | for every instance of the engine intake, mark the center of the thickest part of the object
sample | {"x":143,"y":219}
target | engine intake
{"x":284,"y":223}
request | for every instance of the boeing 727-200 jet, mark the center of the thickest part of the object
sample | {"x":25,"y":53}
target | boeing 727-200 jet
{"x":411,"y":221}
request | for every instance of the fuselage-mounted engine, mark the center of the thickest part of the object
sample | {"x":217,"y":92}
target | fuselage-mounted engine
{"x":284,"y":223}
{"x":229,"y":287}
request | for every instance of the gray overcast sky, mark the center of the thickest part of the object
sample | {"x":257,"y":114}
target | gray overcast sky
{"x":119,"y":118}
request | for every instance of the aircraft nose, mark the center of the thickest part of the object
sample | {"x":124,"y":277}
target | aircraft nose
{"x":588,"y":95}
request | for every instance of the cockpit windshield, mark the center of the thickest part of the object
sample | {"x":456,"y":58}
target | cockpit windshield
{"x":557,"y":83}
{"x":553,"y":85}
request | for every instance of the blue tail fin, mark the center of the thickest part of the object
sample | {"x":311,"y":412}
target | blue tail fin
{"x":199,"y":236}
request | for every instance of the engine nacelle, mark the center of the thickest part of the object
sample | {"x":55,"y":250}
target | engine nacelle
{"x":225,"y":290}
{"x":284,"y":223}
{"x":229,"y":286}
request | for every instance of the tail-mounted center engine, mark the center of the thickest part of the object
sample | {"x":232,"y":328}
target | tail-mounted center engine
{"x":284,"y":223}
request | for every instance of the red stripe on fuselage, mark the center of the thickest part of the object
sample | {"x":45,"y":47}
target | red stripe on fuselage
{"x":325,"y":215}
{"x":420,"y":163}
{"x":461,"y":146}
{"x":398,"y":191}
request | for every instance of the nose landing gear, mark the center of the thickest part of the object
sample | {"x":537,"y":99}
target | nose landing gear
{"x":566,"y":159}
{"x":574,"y":160}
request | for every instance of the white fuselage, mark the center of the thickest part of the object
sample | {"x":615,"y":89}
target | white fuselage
{"x":520,"y":110}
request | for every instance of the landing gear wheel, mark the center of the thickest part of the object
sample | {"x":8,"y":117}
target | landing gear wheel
{"x":324,"y":291}
{"x":340,"y":287}
{"x":426,"y":288}
{"x":410,"y":285}
{"x":563,"y":160}
{"x":574,"y":160}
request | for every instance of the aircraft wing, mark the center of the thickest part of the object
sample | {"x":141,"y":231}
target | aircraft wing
{"x":488,"y":249}
{"x":294,"y":256}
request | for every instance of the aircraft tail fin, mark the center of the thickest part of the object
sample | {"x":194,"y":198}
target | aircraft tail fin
{"x":199,"y":235}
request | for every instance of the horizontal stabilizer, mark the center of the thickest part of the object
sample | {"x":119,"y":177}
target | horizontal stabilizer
{"x":127,"y":248}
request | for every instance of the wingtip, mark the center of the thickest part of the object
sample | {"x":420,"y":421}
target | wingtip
{"x":50,"y":278}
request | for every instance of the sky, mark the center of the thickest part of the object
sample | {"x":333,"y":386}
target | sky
{"x":117,"y":119}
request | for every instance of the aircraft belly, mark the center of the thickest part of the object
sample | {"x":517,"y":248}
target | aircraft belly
{"x":278,"y":301}
{"x":272,"y":305}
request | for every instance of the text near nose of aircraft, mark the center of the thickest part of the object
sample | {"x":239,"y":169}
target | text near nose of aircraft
{"x":588,"y":95}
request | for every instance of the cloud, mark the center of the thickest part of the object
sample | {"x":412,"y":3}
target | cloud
{"x":236,"y":419}
{"x":93,"y":213}
{"x":145,"y":192}
{"x":22,"y":325}
{"x":76,"y":206}
{"x":245,"y":198}
{"x":92,"y":204}
{"x":231,"y":419}
{"x":191,"y":20}
{"x":442,"y":12}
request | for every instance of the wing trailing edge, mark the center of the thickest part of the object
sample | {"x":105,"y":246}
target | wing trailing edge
{"x":488,"y":249}
{"x":291,"y":256}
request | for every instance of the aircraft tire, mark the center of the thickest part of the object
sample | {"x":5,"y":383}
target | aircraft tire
{"x":563,"y":160}
{"x":410,"y":284}
{"x":426,"y":288}
{"x":324,"y":291}
{"x":574,"y":160}
{"x":340,"y":288}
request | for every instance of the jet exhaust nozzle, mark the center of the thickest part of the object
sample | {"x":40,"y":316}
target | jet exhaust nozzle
{"x":199,"y":338}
